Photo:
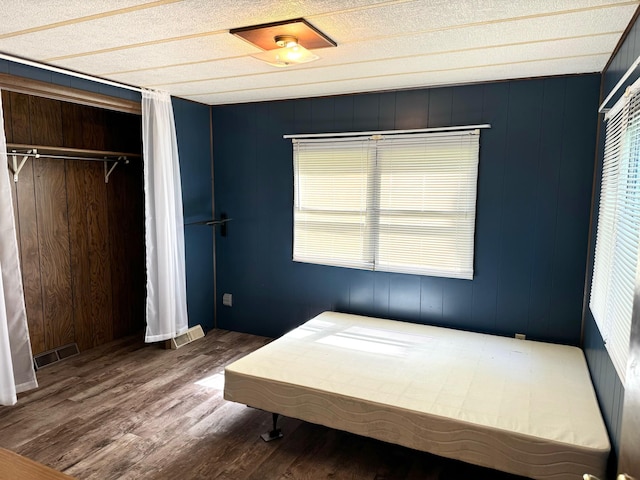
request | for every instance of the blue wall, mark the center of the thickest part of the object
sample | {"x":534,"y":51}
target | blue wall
{"x":193,"y":121}
{"x":605,"y":379}
{"x":534,"y":191}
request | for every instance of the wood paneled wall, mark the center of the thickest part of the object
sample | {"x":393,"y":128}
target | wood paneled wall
{"x":532,"y":210}
{"x":81,"y":240}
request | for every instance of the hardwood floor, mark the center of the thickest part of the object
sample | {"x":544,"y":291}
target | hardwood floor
{"x":126,"y":410}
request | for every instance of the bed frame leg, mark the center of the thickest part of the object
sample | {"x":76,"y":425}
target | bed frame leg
{"x":275,"y":433}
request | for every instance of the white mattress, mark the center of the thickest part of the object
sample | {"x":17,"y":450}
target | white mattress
{"x":513,"y":405}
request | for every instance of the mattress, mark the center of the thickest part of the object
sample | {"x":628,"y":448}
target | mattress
{"x":519,"y":406}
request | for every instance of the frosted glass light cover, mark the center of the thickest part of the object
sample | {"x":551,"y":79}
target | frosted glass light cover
{"x":284,"y":57}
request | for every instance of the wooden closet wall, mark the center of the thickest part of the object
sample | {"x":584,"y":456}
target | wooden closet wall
{"x":81,"y":240}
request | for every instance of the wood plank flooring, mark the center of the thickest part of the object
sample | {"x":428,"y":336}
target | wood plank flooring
{"x":126,"y":410}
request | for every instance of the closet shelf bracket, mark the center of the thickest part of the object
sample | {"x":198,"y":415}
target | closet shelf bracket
{"x":109,"y":170}
{"x":16,"y":167}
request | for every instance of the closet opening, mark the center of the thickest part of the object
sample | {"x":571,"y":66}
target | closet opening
{"x":77,"y":187}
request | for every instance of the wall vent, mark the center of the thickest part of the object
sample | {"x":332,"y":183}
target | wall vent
{"x":55,"y":355}
{"x":189,"y":336}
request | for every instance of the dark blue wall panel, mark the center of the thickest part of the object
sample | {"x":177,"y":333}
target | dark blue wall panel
{"x":606,"y":382}
{"x":193,"y":133}
{"x":194,"y":147}
{"x":534,"y":191}
{"x":623,"y":59}
{"x":518,"y":204}
{"x":605,"y":379}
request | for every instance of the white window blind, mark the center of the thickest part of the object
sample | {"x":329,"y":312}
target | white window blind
{"x":399,"y":203}
{"x":618,"y":235}
{"x":333,"y":201}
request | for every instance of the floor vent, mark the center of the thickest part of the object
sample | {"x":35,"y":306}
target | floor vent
{"x":55,"y":355}
{"x":189,"y":336}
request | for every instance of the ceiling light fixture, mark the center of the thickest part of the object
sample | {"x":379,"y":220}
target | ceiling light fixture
{"x":289,"y":53}
{"x":284,"y":42}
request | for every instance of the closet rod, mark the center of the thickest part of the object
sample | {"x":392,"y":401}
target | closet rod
{"x":16,"y":166}
{"x":44,"y":150}
{"x":67,"y":157}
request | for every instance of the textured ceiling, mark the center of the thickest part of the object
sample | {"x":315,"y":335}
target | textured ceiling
{"x":184,"y":46}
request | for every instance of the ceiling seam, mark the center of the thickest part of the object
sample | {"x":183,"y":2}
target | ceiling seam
{"x":362,"y":8}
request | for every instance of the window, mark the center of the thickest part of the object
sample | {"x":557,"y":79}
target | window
{"x":617,"y":238}
{"x":398,"y":203}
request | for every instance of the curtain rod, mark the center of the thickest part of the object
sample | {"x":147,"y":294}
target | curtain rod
{"x":386,"y":132}
{"x":626,"y":75}
{"x":51,"y":68}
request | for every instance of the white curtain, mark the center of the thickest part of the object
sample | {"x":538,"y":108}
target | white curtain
{"x":16,"y":362}
{"x":164,"y":230}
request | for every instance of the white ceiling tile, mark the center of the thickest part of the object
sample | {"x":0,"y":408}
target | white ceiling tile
{"x":550,"y":67}
{"x":520,"y":31}
{"x":227,"y":68}
{"x":187,"y":17}
{"x":184,"y":47}
{"x":305,"y":75}
{"x":20,"y":15}
{"x":420,"y":16}
{"x":200,"y":49}
{"x":206,"y":49}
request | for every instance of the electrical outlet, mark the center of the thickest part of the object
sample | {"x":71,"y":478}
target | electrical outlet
{"x":227,"y":299}
{"x":521,"y":336}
